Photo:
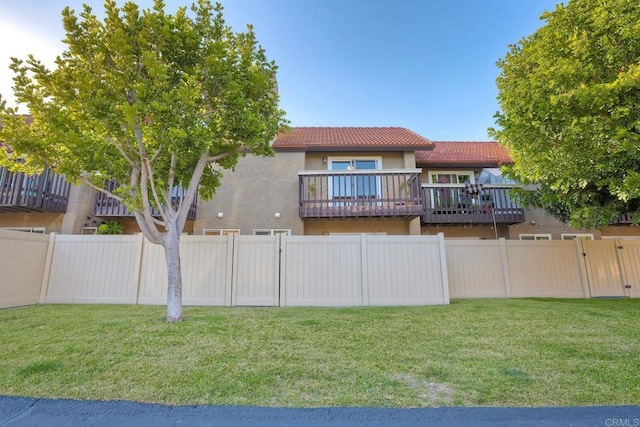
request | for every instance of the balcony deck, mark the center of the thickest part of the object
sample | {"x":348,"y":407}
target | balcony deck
{"x":360,"y":194}
{"x":623,"y":219}
{"x":108,"y":207}
{"x":43,"y":192}
{"x":452,"y":204}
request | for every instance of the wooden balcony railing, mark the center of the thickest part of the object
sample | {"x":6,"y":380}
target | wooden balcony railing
{"x":43,"y":192}
{"x":105,"y":206}
{"x":360,"y":194}
{"x":455,"y":204}
{"x":623,"y":219}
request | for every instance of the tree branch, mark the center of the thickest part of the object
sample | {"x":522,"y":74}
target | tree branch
{"x":159,"y":205}
{"x":121,"y":150}
{"x":100,"y":189}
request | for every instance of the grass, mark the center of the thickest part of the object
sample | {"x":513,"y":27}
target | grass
{"x":529,"y":352}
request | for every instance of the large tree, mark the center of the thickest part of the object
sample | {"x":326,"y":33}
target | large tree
{"x":152,"y":100}
{"x":570,"y":101}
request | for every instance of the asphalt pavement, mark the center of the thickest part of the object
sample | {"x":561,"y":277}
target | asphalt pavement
{"x":21,"y":411}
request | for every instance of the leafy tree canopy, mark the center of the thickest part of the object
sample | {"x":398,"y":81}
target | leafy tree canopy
{"x":570,"y":101}
{"x":147,"y":99}
{"x":151,"y":100}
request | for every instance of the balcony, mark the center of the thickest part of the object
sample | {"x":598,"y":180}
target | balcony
{"x":360,"y":194}
{"x":105,"y":206}
{"x":454,"y":204}
{"x":43,"y":192}
{"x":623,"y":219}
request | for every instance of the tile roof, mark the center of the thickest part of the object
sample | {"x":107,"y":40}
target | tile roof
{"x":464,"y":153}
{"x":350,"y":138}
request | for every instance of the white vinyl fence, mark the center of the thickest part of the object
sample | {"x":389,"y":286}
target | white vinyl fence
{"x":238,"y":270}
{"x":543,"y":268}
{"x":22,"y":260}
{"x":346,"y":270}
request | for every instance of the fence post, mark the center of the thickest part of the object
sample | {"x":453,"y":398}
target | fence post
{"x":231,"y":254}
{"x":506,"y":275}
{"x":138,"y":270}
{"x":364,"y":275}
{"x":44,"y":284}
{"x":444,"y":271}
{"x":622,"y":267}
{"x":234,"y":275}
{"x":584,"y":276}
{"x":282,"y":276}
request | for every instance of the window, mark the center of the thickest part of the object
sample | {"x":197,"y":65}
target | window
{"x":357,"y":186}
{"x":449,"y":190}
{"x":89,"y":230}
{"x":219,"y":231}
{"x":574,"y":236}
{"x":451,"y":177}
{"x":270,"y":231}
{"x":535,"y":236}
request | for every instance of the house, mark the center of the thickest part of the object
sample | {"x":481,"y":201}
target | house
{"x":489,"y":212}
{"x":465,"y":193}
{"x":321,"y":181}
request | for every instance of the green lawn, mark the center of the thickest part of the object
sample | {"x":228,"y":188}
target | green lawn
{"x":531,"y":352}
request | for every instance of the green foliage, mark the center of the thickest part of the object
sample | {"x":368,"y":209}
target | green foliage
{"x":569,"y":95}
{"x":110,"y":227}
{"x":146,"y":98}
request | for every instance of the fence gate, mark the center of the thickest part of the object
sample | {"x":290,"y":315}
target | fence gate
{"x":256,"y":271}
{"x":603,"y":267}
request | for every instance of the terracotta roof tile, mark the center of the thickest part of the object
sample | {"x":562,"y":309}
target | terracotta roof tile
{"x":350,"y":138}
{"x":464,"y":153}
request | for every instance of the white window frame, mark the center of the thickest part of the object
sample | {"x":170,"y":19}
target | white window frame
{"x":536,"y":236}
{"x":271,"y":231}
{"x":219,"y":231}
{"x":36,"y":230}
{"x":352,"y":159}
{"x":450,"y":189}
{"x":471,"y":174}
{"x":89,"y":230}
{"x":574,"y":236}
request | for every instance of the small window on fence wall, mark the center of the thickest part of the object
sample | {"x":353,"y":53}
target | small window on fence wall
{"x":219,"y":231}
{"x":535,"y":236}
{"x":574,"y":236}
{"x":270,"y":231}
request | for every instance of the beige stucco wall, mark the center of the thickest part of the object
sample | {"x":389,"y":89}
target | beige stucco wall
{"x":620,"y":230}
{"x":52,"y":222}
{"x":250,"y":196}
{"x":388,"y":226}
{"x":537,"y":221}
{"x":467,"y":231}
{"x":79,"y":210}
{"x":390,"y":160}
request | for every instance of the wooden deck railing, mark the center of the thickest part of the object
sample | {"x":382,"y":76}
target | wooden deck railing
{"x":360,"y":193}
{"x":623,"y":219}
{"x":43,"y":192}
{"x":105,"y":206}
{"x":455,"y":204}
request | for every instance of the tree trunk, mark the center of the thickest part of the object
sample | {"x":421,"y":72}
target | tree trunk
{"x":171,"y":243}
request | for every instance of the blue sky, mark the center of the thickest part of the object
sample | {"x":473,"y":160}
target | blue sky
{"x":427,"y":65}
